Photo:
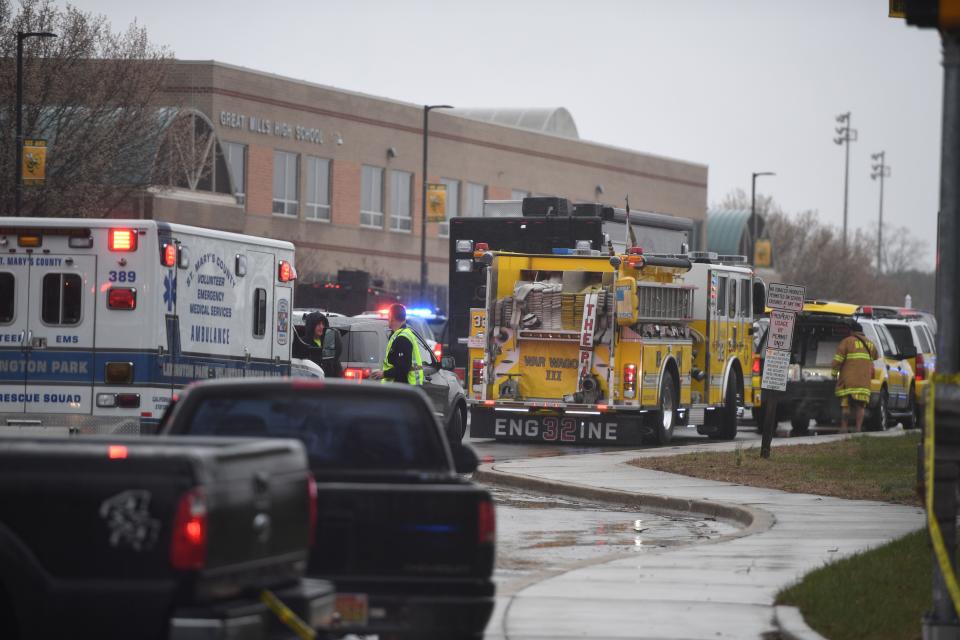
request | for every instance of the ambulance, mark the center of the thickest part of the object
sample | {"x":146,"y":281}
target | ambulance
{"x":101,"y":321}
{"x":583,"y":347}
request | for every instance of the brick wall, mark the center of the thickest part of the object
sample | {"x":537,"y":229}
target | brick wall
{"x":345,"y":193}
{"x":259,"y":180}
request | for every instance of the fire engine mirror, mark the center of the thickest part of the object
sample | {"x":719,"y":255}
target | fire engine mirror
{"x":759,"y":298}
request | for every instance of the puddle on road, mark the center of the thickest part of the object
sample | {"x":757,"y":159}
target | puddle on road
{"x":547,"y":533}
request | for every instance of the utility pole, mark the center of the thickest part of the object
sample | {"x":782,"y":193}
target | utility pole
{"x":427,"y":108}
{"x":880,"y":170}
{"x":754,"y":227}
{"x":18,"y":167}
{"x":846,"y":135}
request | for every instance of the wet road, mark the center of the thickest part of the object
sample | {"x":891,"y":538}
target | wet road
{"x":540,"y":536}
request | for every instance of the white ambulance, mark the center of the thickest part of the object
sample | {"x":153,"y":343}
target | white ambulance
{"x":102,"y":320}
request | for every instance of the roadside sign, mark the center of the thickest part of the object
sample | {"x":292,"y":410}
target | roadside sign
{"x":34,"y":162}
{"x":788,"y":297}
{"x":436,"y":202}
{"x":775,"y":366}
{"x":780,"y":334}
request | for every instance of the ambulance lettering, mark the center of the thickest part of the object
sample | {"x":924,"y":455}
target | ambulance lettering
{"x":44,"y":398}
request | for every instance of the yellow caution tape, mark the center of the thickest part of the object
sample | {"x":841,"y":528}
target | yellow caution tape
{"x":936,"y":536}
{"x":287,"y":616}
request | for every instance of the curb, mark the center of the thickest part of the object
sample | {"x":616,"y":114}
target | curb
{"x":791,"y":625}
{"x":752,"y":520}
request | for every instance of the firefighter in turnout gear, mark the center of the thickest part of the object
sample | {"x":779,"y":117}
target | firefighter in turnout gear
{"x":853,"y":368}
{"x":402,"y":361}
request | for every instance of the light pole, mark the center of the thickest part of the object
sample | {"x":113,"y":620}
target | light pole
{"x":427,"y":108}
{"x":845,"y":135}
{"x":18,"y":171}
{"x":880,"y":170}
{"x":754,"y":227}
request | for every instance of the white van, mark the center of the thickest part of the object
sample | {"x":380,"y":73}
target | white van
{"x":102,"y":320}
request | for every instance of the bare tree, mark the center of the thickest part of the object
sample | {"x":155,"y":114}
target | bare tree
{"x":93,"y":94}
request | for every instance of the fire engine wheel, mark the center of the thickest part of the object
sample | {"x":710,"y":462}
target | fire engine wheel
{"x":728,"y":414}
{"x":668,"y":410}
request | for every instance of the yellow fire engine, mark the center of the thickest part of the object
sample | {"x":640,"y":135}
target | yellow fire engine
{"x":580,"y":347}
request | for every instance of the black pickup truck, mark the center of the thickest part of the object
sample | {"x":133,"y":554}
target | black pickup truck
{"x":407,"y":542}
{"x":148,"y":537}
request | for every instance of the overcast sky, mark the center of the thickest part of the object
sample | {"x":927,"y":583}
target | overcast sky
{"x":738,"y":85}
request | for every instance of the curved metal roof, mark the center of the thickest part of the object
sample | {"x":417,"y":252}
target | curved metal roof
{"x":555,"y":120}
{"x":728,"y":230}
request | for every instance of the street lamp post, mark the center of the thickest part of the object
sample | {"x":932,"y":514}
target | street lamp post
{"x":18,"y":171}
{"x":845,"y":135}
{"x":754,"y":227}
{"x":880,"y":170}
{"x":427,"y":108}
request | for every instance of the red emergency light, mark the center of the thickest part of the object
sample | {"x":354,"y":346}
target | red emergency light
{"x":169,"y":257}
{"x":122,"y":240}
{"x":285,"y":271}
{"x":117,"y":452}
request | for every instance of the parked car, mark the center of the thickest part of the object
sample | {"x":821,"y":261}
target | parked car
{"x":419,"y":324}
{"x":912,"y":335}
{"x":365,"y":344}
{"x":818,"y":331}
{"x":147,"y":537}
{"x":405,"y":538}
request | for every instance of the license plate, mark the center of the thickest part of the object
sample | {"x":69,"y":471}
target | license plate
{"x":352,"y":609}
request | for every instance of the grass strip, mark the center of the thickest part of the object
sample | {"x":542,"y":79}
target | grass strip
{"x":880,"y":594}
{"x":861,"y":468}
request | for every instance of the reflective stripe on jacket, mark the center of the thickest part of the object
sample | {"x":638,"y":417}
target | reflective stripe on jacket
{"x":415,"y":375}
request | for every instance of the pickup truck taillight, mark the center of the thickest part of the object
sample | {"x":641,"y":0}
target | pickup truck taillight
{"x":312,"y":507}
{"x":486,"y":522}
{"x":188,"y":545}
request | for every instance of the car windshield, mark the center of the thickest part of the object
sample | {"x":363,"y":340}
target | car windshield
{"x":343,"y":431}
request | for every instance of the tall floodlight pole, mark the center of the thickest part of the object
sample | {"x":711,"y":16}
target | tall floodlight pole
{"x":754,"y":227}
{"x":427,"y":108}
{"x":18,"y":170}
{"x":880,"y":170}
{"x":845,"y":135}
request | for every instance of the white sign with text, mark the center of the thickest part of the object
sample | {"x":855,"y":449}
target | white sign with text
{"x":780,"y":334}
{"x":788,"y":297}
{"x":775,"y":366}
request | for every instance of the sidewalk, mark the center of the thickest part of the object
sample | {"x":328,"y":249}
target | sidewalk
{"x":719,"y":589}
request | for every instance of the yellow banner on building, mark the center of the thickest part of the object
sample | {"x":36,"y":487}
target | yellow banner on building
{"x":34,"y":161}
{"x":436,"y":202}
{"x":763,"y":254}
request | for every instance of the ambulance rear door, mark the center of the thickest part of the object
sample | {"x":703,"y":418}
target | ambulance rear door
{"x":60,"y":333}
{"x":258,"y":309}
{"x":14,"y":288}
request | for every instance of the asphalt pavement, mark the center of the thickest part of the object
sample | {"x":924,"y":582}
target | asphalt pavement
{"x":720,"y":588}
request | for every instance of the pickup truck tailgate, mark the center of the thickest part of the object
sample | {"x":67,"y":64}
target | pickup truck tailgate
{"x":400,"y":530}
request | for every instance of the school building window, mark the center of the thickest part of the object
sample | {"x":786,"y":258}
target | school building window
{"x":318,"y":189}
{"x":371,"y":197}
{"x":453,"y":204}
{"x":236,"y":157}
{"x":400,"y":218}
{"x":476,"y":194}
{"x":285,"y":200}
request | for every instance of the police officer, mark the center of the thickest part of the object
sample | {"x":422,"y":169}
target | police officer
{"x":402,"y":362}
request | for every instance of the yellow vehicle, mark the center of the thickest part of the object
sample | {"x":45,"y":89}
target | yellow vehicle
{"x":810,"y":386}
{"x":610,"y":349}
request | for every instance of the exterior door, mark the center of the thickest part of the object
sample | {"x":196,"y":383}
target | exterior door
{"x":61,"y":317}
{"x":719,"y":341}
{"x":258,"y":308}
{"x":14,"y":287}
